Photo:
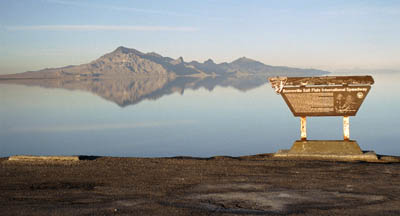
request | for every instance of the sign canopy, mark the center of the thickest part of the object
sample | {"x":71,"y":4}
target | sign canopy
{"x":323,"y":96}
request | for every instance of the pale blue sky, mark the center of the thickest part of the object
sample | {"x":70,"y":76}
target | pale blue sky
{"x":329,"y":35}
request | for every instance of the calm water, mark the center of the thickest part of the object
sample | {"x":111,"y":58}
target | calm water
{"x":152,"y":118}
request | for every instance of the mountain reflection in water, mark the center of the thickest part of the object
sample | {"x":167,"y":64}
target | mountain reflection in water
{"x":126,"y":91}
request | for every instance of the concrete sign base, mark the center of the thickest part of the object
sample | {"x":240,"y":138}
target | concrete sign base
{"x":327,"y":149}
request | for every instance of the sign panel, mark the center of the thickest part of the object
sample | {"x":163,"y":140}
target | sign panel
{"x":324,"y":101}
{"x":323,"y":96}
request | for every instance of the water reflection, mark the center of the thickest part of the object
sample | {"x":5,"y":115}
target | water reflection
{"x":127,"y":91}
{"x":241,"y":116}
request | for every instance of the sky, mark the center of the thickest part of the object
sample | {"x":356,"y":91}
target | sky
{"x":330,"y":35}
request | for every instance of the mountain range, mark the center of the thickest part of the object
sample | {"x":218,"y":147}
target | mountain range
{"x":128,"y":76}
{"x":133,"y":63}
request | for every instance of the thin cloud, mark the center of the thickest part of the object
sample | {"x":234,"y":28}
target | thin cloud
{"x":129,"y":9}
{"x":100,"y":28}
{"x":362,"y":11}
{"x":65,"y":2}
{"x":97,"y":127}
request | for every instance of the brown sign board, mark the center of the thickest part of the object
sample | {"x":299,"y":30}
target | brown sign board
{"x":323,"y":96}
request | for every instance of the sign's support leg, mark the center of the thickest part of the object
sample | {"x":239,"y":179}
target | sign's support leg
{"x":303,"y":128}
{"x":346,"y":128}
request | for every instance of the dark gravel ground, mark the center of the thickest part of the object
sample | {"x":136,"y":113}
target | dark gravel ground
{"x":253,"y":185}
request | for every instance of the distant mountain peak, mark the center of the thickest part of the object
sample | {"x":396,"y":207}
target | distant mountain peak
{"x":125,"y":50}
{"x":244,"y":60}
{"x":121,"y":49}
{"x":209,"y":61}
{"x":178,"y":61}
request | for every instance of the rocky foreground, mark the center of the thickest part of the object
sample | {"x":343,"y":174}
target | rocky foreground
{"x":251,"y":185}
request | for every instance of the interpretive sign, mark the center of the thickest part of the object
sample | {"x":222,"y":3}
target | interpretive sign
{"x":323,"y":96}
{"x":324,"y":101}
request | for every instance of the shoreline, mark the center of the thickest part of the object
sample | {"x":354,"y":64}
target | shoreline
{"x":277,"y":156}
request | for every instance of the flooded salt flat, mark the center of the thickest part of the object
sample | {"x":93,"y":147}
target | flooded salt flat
{"x":186,"y":116}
